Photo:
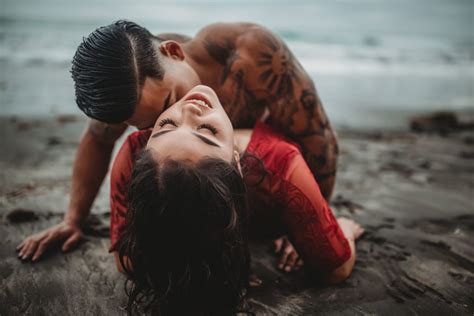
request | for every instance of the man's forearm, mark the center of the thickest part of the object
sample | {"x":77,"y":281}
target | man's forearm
{"x":90,"y":167}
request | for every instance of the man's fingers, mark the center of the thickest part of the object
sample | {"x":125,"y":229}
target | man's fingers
{"x":278,"y":243}
{"x":20,"y":245}
{"x":31,"y":248}
{"x":42,"y":246}
{"x":291,"y":261}
{"x":25,"y":248}
{"x":71,"y":241}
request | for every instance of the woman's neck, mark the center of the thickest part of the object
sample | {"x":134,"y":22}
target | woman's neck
{"x":242,"y":139}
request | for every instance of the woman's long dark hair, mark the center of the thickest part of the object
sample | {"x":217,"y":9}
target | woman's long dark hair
{"x":184,"y":249}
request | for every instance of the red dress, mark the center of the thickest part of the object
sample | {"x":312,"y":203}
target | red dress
{"x":284,"y":197}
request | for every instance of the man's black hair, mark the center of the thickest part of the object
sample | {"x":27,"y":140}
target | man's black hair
{"x":110,"y":66}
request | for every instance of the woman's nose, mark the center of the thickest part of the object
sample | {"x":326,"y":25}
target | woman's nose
{"x":191,"y":108}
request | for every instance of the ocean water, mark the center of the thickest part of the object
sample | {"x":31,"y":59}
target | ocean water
{"x":374,"y":62}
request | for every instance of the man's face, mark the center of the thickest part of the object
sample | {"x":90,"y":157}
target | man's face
{"x":157,"y":95}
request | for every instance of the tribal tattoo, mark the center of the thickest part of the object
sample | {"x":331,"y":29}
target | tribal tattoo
{"x":316,"y":120}
{"x":296,"y":108}
{"x":286,"y":90}
{"x":278,"y":69}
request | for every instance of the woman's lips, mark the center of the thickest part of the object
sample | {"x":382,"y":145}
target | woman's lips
{"x":199,"y":97}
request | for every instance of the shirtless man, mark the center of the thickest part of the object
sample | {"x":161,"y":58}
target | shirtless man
{"x":124,"y":75}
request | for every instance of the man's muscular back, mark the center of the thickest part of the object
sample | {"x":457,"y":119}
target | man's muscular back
{"x":251,"y":69}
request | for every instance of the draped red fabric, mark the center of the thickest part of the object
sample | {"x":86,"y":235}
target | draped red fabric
{"x":284,"y":198}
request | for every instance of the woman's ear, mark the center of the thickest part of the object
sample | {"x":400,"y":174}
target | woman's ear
{"x":237,"y":159}
{"x":172,"y":49}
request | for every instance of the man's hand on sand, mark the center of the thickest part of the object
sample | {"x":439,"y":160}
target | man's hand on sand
{"x":35,"y":245}
{"x":289,"y":258}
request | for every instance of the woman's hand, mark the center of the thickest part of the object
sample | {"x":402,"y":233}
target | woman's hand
{"x":351,"y":231}
{"x":289,"y":258}
{"x":35,"y":245}
{"x":350,"y":228}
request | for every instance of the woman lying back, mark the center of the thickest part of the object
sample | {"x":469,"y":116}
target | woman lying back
{"x":181,"y":219}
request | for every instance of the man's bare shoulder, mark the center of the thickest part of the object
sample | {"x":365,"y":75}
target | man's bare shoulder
{"x":259,"y":35}
{"x":225,"y":31}
{"x":241,"y":38}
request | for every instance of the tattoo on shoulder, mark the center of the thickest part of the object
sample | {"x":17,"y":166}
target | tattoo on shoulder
{"x":278,"y":66}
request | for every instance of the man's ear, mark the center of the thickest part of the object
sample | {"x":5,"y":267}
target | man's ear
{"x":172,"y":49}
{"x":237,"y":158}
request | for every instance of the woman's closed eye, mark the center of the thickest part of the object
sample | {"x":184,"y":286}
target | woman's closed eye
{"x":211,"y":128}
{"x":165,"y":121}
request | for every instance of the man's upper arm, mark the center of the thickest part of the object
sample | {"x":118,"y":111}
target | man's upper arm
{"x":275,"y":76}
{"x":280,"y":80}
{"x":105,"y":133}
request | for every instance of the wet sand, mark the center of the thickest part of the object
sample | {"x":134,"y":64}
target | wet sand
{"x":413,"y":193}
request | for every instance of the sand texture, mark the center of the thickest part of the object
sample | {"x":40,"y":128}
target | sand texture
{"x":413,"y":193}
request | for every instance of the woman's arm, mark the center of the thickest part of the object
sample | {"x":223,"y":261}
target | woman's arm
{"x":352,"y":231}
{"x":325,"y":244}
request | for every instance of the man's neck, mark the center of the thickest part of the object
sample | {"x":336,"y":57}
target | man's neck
{"x":207,"y":72}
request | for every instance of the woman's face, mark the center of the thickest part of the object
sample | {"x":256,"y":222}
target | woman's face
{"x":194,"y":127}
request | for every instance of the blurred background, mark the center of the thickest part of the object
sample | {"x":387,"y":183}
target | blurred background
{"x":374,"y":62}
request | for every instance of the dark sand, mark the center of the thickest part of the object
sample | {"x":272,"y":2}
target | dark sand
{"x":413,"y":193}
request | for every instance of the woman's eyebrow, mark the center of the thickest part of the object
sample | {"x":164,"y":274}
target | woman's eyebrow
{"x":204,"y":139}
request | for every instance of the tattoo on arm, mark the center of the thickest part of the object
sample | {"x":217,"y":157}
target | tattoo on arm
{"x":296,"y":108}
{"x":278,"y":71}
{"x":316,"y":120}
